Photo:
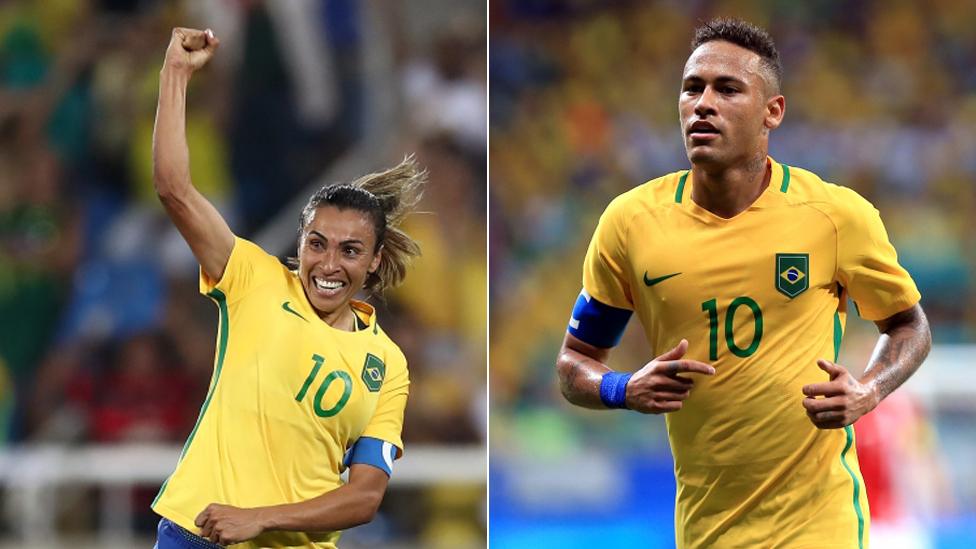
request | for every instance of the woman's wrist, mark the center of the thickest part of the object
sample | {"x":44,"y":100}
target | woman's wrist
{"x":266,"y":518}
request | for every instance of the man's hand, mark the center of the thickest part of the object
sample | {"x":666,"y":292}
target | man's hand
{"x":845,"y":399}
{"x":657,"y":388}
{"x":190,"y":49}
{"x":225,"y":524}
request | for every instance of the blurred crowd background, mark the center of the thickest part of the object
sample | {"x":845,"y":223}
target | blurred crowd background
{"x":881,"y":97}
{"x":103,"y":336}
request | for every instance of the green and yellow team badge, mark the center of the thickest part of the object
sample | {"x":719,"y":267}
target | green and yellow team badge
{"x":792,"y":274}
{"x":373,"y":372}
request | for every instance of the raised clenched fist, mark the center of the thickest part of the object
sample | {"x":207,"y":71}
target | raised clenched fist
{"x":190,"y":49}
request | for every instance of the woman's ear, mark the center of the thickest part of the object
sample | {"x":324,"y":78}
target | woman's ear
{"x":375,"y":263}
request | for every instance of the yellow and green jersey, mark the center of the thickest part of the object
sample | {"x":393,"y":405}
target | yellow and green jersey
{"x":761,"y":297}
{"x":288,"y":396}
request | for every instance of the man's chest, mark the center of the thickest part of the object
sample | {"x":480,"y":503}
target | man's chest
{"x":683,"y":269}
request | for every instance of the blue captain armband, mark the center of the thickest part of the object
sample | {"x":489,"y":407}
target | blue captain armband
{"x":372,"y":451}
{"x":598,"y":324}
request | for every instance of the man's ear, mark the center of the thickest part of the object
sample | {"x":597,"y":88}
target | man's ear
{"x":775,"y":111}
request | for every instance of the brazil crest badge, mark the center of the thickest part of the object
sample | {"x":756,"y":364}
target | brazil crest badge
{"x":373,"y":373}
{"x":792,"y":274}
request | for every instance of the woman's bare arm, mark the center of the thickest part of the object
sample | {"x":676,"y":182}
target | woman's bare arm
{"x":201,"y":225}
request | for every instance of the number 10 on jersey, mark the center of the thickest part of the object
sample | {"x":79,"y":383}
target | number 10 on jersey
{"x":711,"y":307}
{"x":324,"y":386}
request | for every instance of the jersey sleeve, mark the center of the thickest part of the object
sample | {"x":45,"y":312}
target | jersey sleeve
{"x":867,"y":264}
{"x":387,"y":421}
{"x":248,"y":267}
{"x":604,"y":269}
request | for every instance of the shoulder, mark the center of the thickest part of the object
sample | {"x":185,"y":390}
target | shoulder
{"x":249,"y":252}
{"x":661,"y":192}
{"x":392,"y":354}
{"x":248,"y":269}
{"x":841,"y":204}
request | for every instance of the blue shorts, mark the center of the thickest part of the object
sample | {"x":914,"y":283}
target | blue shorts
{"x":170,"y":535}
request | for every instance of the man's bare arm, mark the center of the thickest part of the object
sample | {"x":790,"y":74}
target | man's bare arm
{"x":904,"y":343}
{"x":654,"y":389}
{"x":581,"y":367}
{"x":201,"y":225}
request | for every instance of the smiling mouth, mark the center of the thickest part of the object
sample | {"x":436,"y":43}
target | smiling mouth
{"x":328,"y":287}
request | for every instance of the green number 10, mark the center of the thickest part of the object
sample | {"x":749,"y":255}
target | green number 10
{"x":334,"y":375}
{"x":711,"y":308}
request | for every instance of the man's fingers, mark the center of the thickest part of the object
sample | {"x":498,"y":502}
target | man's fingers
{"x":202,"y":517}
{"x":828,"y":420}
{"x":677,"y":352}
{"x":661,"y":402}
{"x":673,"y":367}
{"x":676,"y":384}
{"x":666,"y":406}
{"x":673,"y":392}
{"x":828,"y":389}
{"x":817,"y":405}
{"x":826,"y":417}
{"x":834,"y":370}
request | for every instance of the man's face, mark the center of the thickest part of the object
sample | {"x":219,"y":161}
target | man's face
{"x":335,"y":256}
{"x":726,"y":105}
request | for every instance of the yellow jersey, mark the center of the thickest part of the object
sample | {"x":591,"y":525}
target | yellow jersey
{"x":760,"y":296}
{"x":288,"y":396}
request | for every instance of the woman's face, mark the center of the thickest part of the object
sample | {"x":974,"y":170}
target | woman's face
{"x":335,"y":255}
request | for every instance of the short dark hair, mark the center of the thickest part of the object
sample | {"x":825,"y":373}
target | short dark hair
{"x":745,"y":35}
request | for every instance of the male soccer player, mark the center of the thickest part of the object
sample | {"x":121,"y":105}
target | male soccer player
{"x":742,"y":267}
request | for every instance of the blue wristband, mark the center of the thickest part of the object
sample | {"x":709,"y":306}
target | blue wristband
{"x":613,"y":389}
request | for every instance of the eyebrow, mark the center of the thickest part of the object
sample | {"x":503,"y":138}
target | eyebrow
{"x":723,"y":79}
{"x":349,"y":241}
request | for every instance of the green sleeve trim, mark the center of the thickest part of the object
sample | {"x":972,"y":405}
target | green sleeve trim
{"x":681,"y":187}
{"x":838,"y":335}
{"x":221,"y":300}
{"x":786,"y":179}
{"x":857,"y":486}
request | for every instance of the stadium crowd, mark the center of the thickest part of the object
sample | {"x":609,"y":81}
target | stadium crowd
{"x":103,"y":336}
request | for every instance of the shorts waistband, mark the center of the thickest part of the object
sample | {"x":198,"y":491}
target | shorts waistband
{"x":186,"y":539}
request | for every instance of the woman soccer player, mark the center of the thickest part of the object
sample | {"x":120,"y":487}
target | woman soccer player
{"x":305,"y":382}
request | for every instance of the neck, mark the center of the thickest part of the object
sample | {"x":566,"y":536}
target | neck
{"x":342,"y":318}
{"x":730,"y":190}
